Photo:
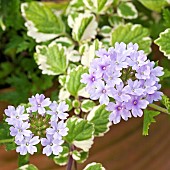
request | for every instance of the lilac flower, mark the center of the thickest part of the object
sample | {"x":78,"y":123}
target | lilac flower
{"x":136,"y":60}
{"x":118,"y":110}
{"x":27,"y":145}
{"x":120,"y":94}
{"x":148,"y":86}
{"x":117,"y":61}
{"x":58,"y":129}
{"x":38,"y":103}
{"x":15,"y":115}
{"x":20,"y":130}
{"x":58,"y":111}
{"x":143,"y":72}
{"x":51,"y":145}
{"x":136,"y":104}
{"x":102,"y":52}
{"x":90,"y":79}
{"x":101,"y":92}
{"x":112,"y":77}
{"x":134,"y":88}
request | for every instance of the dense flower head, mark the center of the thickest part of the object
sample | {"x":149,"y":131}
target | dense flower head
{"x":42,"y":121}
{"x":124,"y":80}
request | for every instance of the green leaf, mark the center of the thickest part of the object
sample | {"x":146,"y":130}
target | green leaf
{"x":155,"y":5}
{"x":28,"y":167}
{"x":99,"y":7}
{"x":166,"y":102}
{"x":52,"y":59}
{"x":62,"y":158}
{"x":5,"y":132}
{"x":94,"y":166}
{"x":148,"y":119}
{"x":99,"y":116}
{"x":41,"y":22}
{"x":85,"y":27}
{"x":166,"y":17}
{"x":73,"y":80}
{"x":105,"y":31}
{"x":10,"y":146}
{"x":87,"y":105}
{"x":164,"y":42}
{"x":115,"y":20}
{"x":127,"y":10}
{"x":132,"y":33}
{"x":80,"y":156}
{"x":89,"y":52}
{"x":80,"y":133}
{"x":23,"y":159}
{"x":166,"y":74}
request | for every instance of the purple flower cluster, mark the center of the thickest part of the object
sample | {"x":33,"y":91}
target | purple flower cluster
{"x":42,"y":121}
{"x":124,"y":80}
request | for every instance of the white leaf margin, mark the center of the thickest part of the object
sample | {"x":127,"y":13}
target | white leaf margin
{"x":90,"y":31}
{"x":93,"y":164}
{"x":167,"y":31}
{"x":129,"y":4}
{"x":33,"y":31}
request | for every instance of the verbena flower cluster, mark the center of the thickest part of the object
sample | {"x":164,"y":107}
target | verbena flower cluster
{"x":41,"y":122}
{"x":124,"y":80}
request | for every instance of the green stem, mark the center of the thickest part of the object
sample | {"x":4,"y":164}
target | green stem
{"x":159,"y":108}
{"x":6,"y":140}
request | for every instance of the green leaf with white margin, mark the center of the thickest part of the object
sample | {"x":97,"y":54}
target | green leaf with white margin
{"x":85,"y":27}
{"x":148,"y":119}
{"x":51,"y":59}
{"x":71,"y":19}
{"x":155,"y":5}
{"x":115,"y":20}
{"x":62,"y":158}
{"x":90,"y":52}
{"x":127,"y":10}
{"x":73,"y":83}
{"x":41,"y":22}
{"x":80,"y":156}
{"x":80,"y":133}
{"x":28,"y":167}
{"x":65,"y":42}
{"x":94,"y":166}
{"x":132,"y":33}
{"x":166,"y":102}
{"x":98,"y":6}
{"x":99,"y":116}
{"x":105,"y":31}
{"x":164,"y":42}
{"x":87,"y":105}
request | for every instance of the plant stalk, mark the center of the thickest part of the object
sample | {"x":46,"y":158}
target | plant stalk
{"x":70,"y":159}
{"x":6,"y":140}
{"x":159,"y":108}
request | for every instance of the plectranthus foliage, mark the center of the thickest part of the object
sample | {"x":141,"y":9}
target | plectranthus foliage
{"x":42,"y":121}
{"x":124,"y":80}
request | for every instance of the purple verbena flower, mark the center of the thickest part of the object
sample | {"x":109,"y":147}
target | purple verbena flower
{"x":51,"y":145}
{"x":27,"y":145}
{"x":118,"y":110}
{"x":15,"y":116}
{"x":134,"y":88}
{"x":136,"y":104}
{"x":119,"y":93}
{"x":58,"y":111}
{"x":38,"y":103}
{"x":57,"y":129}
{"x":20,"y":130}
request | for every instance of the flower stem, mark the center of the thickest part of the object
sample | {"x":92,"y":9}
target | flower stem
{"x":159,"y":108}
{"x":70,"y":159}
{"x":6,"y":140}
